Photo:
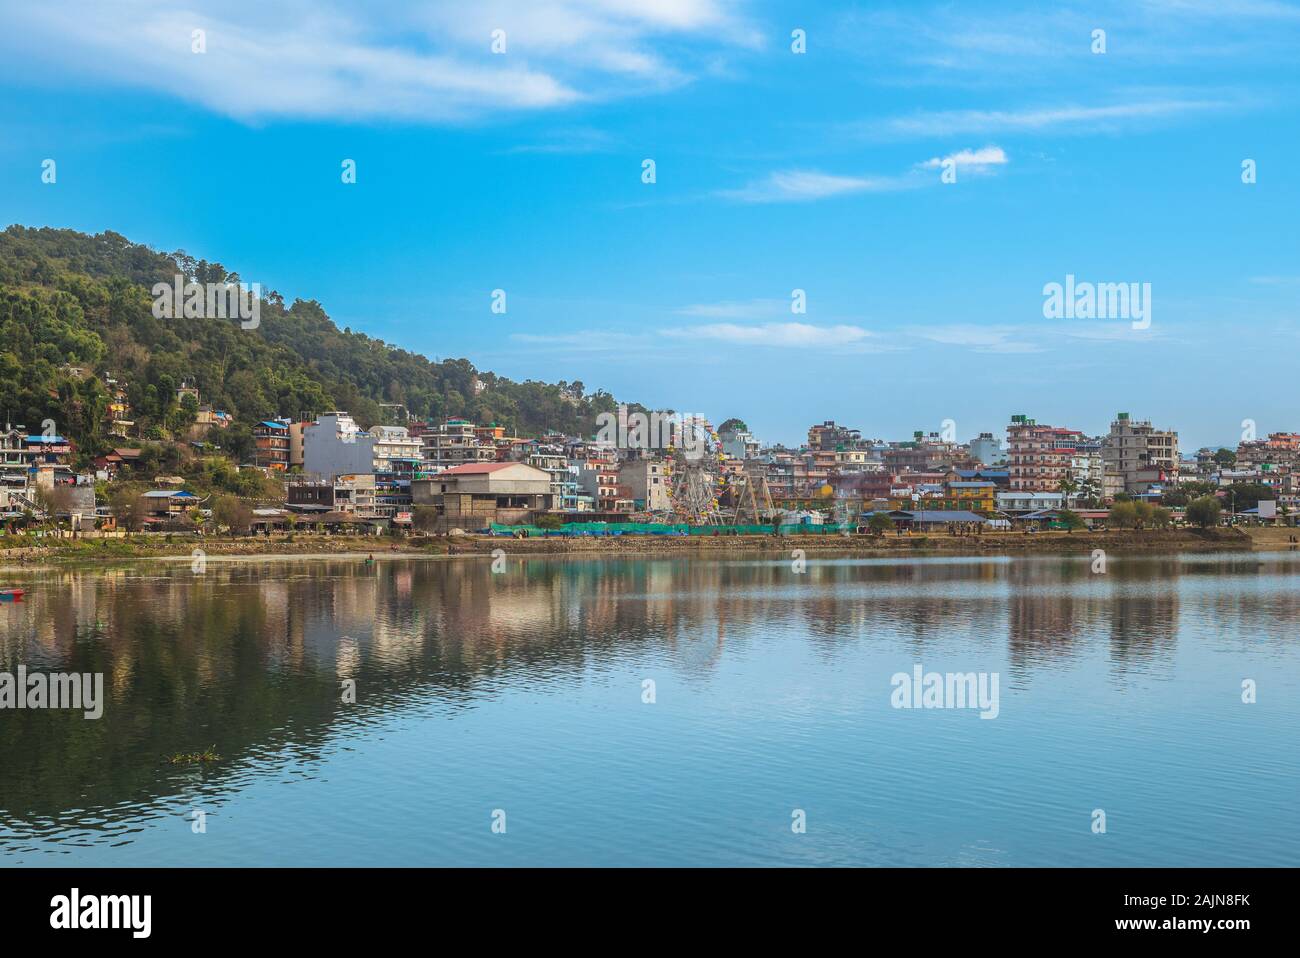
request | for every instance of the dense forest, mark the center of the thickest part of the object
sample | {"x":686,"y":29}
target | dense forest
{"x":68,"y":299}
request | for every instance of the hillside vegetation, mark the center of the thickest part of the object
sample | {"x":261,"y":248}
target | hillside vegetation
{"x":70,"y":299}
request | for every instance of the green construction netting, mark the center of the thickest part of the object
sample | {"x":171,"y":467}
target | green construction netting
{"x":669,"y":529}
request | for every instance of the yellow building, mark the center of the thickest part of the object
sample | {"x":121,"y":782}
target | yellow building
{"x":975,"y":496}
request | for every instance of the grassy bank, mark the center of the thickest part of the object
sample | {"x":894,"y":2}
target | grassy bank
{"x":713,"y":547}
{"x":1119,"y":541}
{"x":155,"y":546}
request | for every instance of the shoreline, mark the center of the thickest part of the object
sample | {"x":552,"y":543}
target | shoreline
{"x":79,"y":551}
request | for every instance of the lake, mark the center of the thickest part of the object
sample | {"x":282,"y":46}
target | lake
{"x":658,"y":712}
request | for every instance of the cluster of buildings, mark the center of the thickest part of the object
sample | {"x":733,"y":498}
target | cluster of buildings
{"x":468,"y":475}
{"x":1039,"y":467}
{"x":473,"y":474}
{"x":36,"y":476}
{"x":1273,"y":462}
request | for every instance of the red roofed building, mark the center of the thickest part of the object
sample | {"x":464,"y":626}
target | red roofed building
{"x":1038,"y":457}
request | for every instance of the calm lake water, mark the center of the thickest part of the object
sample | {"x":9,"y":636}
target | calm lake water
{"x":523,"y":692}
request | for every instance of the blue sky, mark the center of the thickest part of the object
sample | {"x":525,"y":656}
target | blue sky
{"x":774,"y":170}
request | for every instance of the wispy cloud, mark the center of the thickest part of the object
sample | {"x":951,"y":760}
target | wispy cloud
{"x":1112,"y":331}
{"x":418,"y":62}
{"x":1071,"y":118}
{"x":977,"y":161}
{"x":786,"y":335}
{"x":800,"y":186}
{"x":795,"y":186}
{"x":566,"y":142}
{"x":746,"y":309}
{"x":1231,"y":9}
{"x":587,"y":341}
{"x":1030,"y":337}
{"x":980,"y":339}
{"x":1009,"y":44}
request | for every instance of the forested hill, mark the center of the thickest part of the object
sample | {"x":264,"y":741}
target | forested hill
{"x":72,"y":300}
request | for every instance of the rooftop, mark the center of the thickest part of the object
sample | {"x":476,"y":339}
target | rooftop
{"x":943,"y":515}
{"x":477,"y":468}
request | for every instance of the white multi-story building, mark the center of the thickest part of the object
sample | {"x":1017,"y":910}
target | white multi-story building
{"x":1019,"y":501}
{"x":987,"y":448}
{"x":1087,"y":467}
{"x":393,"y":446}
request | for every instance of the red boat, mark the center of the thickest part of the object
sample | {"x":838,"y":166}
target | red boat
{"x":11,"y":595}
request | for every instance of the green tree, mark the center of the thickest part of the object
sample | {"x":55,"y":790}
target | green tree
{"x":125,"y":504}
{"x":1203,"y":512}
{"x":1145,"y":513}
{"x":1123,"y":515}
{"x":1089,"y":493}
{"x":424,"y":518}
{"x":879,"y":523}
{"x":67,"y":298}
{"x":1071,"y":520}
{"x":1248,"y":494}
{"x":233,"y":513}
{"x":47,"y":503}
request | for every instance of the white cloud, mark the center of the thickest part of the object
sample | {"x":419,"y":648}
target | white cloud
{"x":419,"y":61}
{"x":795,"y":186}
{"x":787,"y":335}
{"x":977,"y":160}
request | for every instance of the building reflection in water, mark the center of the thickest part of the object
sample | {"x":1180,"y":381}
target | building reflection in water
{"x":250,"y":657}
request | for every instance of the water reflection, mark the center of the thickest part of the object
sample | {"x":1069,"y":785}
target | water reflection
{"x":249,"y":657}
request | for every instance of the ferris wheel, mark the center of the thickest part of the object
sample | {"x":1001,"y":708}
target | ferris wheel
{"x":695,"y":481}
